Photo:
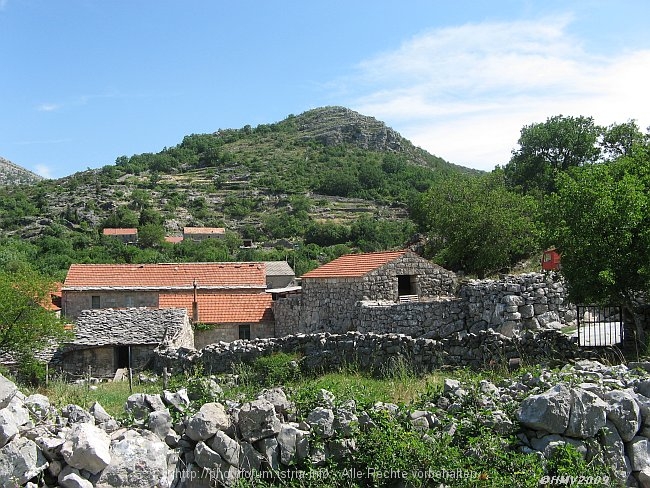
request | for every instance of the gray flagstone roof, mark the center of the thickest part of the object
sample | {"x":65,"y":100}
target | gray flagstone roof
{"x":131,"y":326}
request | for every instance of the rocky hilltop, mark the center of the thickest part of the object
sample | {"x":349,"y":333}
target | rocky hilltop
{"x":12,"y":174}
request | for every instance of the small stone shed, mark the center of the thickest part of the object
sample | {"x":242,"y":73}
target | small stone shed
{"x":107,"y":340}
{"x":331,"y":294}
{"x":128,"y":235}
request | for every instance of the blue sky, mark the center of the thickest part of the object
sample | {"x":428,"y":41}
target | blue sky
{"x":86,"y":81}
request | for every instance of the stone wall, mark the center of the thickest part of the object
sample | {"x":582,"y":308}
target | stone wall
{"x":331,"y":304}
{"x":510,"y":305}
{"x":230,"y":332}
{"x":377,"y":352}
{"x":103,"y":360}
{"x":73,"y":302}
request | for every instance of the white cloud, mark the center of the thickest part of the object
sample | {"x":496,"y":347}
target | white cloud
{"x":43,"y":170}
{"x":465,"y":92}
{"x":48,"y":107}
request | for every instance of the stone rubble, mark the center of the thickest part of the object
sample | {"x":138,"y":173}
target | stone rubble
{"x":601,"y":410}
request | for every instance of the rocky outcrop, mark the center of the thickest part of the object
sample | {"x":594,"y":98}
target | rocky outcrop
{"x":12,"y":174}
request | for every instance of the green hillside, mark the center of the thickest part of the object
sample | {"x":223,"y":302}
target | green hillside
{"x":327,"y":177}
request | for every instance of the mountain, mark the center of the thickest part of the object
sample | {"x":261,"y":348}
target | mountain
{"x":328,"y":176}
{"x":12,"y":174}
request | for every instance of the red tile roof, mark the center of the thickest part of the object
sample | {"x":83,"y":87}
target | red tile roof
{"x":174,"y":239}
{"x":354,"y":265}
{"x":160,"y":276}
{"x":223,"y":308}
{"x":119,"y":232}
{"x":203,"y":230}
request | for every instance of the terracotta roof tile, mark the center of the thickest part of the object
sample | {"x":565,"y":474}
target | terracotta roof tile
{"x":173,"y":275}
{"x":223,"y":308}
{"x":203,"y":230}
{"x":174,"y":239}
{"x":354,"y":265}
{"x":119,"y":232}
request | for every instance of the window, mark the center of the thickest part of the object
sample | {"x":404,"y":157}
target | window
{"x":406,"y":285}
{"x":128,"y":301}
{"x":95,"y":303}
{"x":547,"y":257}
{"x":245,"y":332}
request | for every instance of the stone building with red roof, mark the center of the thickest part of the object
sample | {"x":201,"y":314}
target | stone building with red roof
{"x":332,"y":294}
{"x":225,"y":301}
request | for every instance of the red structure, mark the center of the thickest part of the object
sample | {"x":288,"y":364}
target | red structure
{"x":551,"y":260}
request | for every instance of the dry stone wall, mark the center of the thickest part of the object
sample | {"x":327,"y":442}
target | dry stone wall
{"x":510,"y":306}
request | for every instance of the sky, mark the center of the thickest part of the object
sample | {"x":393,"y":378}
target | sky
{"x":83,"y":82}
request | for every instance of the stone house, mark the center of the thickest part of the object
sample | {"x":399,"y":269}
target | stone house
{"x":225,"y":317}
{"x":225,"y":301}
{"x":108,"y":340}
{"x":279,"y":274}
{"x":201,"y":233}
{"x":126,"y":235}
{"x":332,"y":294}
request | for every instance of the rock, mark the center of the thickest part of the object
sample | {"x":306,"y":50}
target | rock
{"x":100,"y":415}
{"x":624,"y":412}
{"x":644,"y":478}
{"x":294,"y":444}
{"x":7,"y":391}
{"x":227,"y":448}
{"x":8,"y":427}
{"x":321,"y":421}
{"x":160,"y":423}
{"x":278,"y":398}
{"x":137,"y":406}
{"x":18,"y":410}
{"x":137,"y":461}
{"x":614,"y":452}
{"x":210,"y":418}
{"x":638,"y":450}
{"x":216,"y":467}
{"x":38,"y":405}
{"x":257,"y":420}
{"x":87,"y":447}
{"x":270,"y":450}
{"x":548,"y":411}
{"x":250,"y":460}
{"x":70,"y":477}
{"x":588,"y":414}
{"x":179,"y":400}
{"x":20,"y":461}
{"x":76,"y":414}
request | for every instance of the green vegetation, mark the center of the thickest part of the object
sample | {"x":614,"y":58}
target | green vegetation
{"x":25,"y":326}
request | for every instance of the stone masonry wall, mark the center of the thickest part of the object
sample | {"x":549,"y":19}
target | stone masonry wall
{"x":331,"y":304}
{"x":510,"y":305}
{"x":76,"y":301}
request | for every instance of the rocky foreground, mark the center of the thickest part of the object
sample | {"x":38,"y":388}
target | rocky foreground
{"x":604,"y":411}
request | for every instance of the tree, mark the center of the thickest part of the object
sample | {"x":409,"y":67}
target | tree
{"x":551,"y":147}
{"x":151,"y":235}
{"x":25,"y":325}
{"x":599,"y":220}
{"x":475,"y":224}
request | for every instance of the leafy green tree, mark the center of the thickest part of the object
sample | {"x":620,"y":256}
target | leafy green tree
{"x":151,"y":235}
{"x":121,"y":217}
{"x":475,"y":224}
{"x":619,"y":139}
{"x":25,"y":325}
{"x":599,"y":220}
{"x":548,"y":148}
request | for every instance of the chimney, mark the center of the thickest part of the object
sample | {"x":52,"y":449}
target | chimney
{"x":195,"y":304}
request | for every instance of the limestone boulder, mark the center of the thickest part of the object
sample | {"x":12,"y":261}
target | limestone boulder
{"x":548,"y":411}
{"x":7,"y":391}
{"x":321,"y":421}
{"x":588,"y":414}
{"x":638,"y":450}
{"x":226,"y":447}
{"x":8,"y":427}
{"x":137,"y":461}
{"x":614,"y":452}
{"x":293,"y":443}
{"x":20,"y":461}
{"x":211,"y":418}
{"x":624,"y":412}
{"x":87,"y":447}
{"x":257,"y":420}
